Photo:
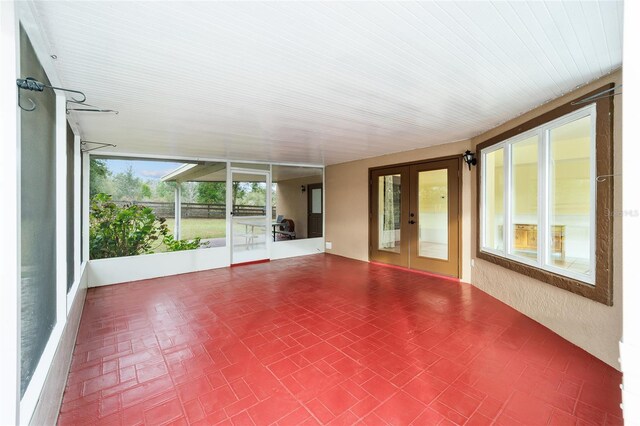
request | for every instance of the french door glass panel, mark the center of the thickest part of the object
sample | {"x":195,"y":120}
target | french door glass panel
{"x":433,"y":208}
{"x":389,"y":212}
{"x":249,"y":221}
{"x":570,"y":201}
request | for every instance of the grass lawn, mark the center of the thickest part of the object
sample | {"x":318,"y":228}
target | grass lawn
{"x":203,"y":228}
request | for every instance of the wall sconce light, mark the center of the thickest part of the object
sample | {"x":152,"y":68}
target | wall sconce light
{"x":304,"y":188}
{"x":469,"y":158}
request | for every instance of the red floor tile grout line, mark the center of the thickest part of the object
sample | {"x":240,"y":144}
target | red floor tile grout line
{"x":323,"y":339}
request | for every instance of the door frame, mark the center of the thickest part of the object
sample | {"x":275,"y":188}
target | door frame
{"x":268,"y":219}
{"x":390,"y":167}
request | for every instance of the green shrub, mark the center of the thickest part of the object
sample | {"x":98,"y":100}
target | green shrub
{"x":128,"y":230}
{"x":178,"y":245}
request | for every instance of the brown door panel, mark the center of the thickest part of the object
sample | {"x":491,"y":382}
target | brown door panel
{"x":389,"y":212}
{"x":435,"y":204}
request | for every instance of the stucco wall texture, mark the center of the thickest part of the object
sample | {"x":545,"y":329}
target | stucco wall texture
{"x":595,"y":327}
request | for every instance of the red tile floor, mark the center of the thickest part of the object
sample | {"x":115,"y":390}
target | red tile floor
{"x":323,"y":339}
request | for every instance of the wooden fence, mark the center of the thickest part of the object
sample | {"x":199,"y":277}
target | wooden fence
{"x":198,"y":210}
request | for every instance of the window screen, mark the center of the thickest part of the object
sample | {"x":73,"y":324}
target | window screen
{"x":38,"y":220}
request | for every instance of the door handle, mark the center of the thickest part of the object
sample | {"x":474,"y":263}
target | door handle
{"x":411,"y":222}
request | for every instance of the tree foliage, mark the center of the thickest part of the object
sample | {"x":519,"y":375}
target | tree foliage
{"x":128,"y":230}
{"x":127,"y":186}
{"x":165,"y":191}
{"x":98,"y":175}
{"x":211,"y":192}
{"x":145,"y":191}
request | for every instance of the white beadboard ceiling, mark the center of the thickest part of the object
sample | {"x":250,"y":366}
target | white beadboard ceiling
{"x":320,"y":82}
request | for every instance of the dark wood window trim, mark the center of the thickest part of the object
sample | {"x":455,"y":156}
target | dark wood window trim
{"x":602,"y":291}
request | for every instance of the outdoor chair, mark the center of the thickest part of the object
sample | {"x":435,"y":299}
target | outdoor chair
{"x":287,"y":229}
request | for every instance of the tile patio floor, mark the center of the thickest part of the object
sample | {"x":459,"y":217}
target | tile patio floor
{"x":323,"y":339}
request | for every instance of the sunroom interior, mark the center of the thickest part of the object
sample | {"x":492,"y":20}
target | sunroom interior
{"x":306,"y":213}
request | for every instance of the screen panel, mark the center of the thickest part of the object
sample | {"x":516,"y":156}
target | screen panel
{"x":38,"y":220}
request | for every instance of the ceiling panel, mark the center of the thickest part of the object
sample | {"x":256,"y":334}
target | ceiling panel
{"x":319,"y":82}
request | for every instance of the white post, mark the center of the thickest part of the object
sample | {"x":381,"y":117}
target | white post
{"x":77,"y":213}
{"x":61,"y":207}
{"x":86,"y":200}
{"x":269,"y":213}
{"x":9,"y":216}
{"x":630,"y":343}
{"x":178,"y":211}
{"x":229,"y":211}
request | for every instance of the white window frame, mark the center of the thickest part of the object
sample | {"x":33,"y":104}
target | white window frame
{"x":544,"y":234}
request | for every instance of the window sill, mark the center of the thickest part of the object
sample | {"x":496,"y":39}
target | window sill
{"x":598,"y":293}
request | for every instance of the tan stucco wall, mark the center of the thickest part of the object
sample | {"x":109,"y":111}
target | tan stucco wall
{"x":347,"y":201}
{"x":593,"y":326}
{"x":292,"y":202}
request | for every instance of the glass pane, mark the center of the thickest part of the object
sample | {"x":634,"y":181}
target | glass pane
{"x":433,"y":208}
{"x":570,"y":196}
{"x":71,"y":234}
{"x":203,"y":210}
{"x":274,"y":200}
{"x":389,"y":213}
{"x":493,"y":164}
{"x":127,"y":194}
{"x":524,"y":198}
{"x":316,"y":200}
{"x":38,"y":218}
{"x":291,"y":203}
{"x":249,"y":223}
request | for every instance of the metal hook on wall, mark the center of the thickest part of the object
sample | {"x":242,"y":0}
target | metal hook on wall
{"x":33,"y":104}
{"x":34,"y":85}
{"x":602,"y":178}
{"x":92,"y":108}
{"x":604,"y":94}
{"x":83,"y":145}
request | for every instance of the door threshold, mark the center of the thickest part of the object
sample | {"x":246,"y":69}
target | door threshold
{"x":252,"y":262}
{"x":417,"y":271}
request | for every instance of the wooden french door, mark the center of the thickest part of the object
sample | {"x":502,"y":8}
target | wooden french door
{"x":388,"y":230}
{"x":415,"y":216}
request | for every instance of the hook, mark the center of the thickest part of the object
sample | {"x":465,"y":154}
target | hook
{"x":33,"y":104}
{"x":84,"y":97}
{"x":92,"y":108}
{"x":100,"y":145}
{"x":602,"y":178}
{"x":32,"y":84}
{"x":599,"y":95}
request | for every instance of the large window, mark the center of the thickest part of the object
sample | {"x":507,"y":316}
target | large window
{"x":541,"y":202}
